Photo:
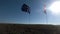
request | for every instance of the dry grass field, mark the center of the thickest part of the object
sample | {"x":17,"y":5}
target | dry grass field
{"x":29,"y":29}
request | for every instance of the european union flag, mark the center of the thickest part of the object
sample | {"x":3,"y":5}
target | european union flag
{"x":25,"y":8}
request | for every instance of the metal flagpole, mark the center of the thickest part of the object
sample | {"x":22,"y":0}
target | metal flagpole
{"x":29,"y":18}
{"x":45,"y":13}
{"x":29,"y":12}
{"x":46,"y":19}
{"x":29,"y":15}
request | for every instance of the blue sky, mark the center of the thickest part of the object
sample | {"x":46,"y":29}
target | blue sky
{"x":10,"y":12}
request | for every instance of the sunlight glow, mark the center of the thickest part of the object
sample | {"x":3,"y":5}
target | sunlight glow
{"x":55,"y":7}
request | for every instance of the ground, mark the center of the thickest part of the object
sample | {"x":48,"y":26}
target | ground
{"x":29,"y":29}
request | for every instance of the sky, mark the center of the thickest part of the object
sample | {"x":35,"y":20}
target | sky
{"x":10,"y":12}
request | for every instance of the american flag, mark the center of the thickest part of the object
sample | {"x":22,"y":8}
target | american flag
{"x":45,"y":8}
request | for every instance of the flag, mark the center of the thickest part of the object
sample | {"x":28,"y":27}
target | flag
{"x":25,"y":8}
{"x":45,"y":9}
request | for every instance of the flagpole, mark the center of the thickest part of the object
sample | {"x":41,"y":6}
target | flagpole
{"x":45,"y":13}
{"x":29,"y":15}
{"x":46,"y":19}
{"x":29,"y":18}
